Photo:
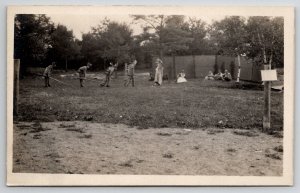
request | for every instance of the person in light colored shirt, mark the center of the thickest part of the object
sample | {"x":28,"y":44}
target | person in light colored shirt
{"x":181,"y":77}
{"x":130,"y":73}
{"x":82,"y":73}
{"x":210,"y":76}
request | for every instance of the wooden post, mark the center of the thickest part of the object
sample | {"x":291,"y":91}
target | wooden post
{"x":267,"y":105}
{"x":16,"y":86}
{"x":194,"y":64}
{"x":66,"y":62}
{"x":174,"y":67}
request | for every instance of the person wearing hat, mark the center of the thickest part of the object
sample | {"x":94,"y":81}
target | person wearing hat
{"x":82,"y":73}
{"x":47,"y":74}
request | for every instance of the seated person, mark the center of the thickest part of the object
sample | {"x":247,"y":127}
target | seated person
{"x":210,"y":76}
{"x":218,"y":76}
{"x":227,"y":76}
{"x":181,"y":77}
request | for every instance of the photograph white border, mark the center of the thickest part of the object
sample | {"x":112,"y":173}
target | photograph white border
{"x":30,"y":179}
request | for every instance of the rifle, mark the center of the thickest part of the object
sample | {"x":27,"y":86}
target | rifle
{"x":56,"y":80}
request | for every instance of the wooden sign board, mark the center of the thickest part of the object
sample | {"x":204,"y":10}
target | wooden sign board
{"x":268,"y":75}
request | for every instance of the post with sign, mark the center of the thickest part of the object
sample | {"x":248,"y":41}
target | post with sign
{"x":267,"y":75}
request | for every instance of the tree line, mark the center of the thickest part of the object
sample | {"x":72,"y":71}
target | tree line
{"x":38,"y":41}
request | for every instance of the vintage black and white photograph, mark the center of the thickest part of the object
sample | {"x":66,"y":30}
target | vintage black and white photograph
{"x":150,"y":91}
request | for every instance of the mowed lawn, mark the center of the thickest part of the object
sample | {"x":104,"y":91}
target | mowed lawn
{"x":195,"y":104}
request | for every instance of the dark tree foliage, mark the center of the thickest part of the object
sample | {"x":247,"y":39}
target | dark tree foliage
{"x":63,"y":47}
{"x":31,"y":39}
{"x":108,"y":42}
{"x":259,"y":38}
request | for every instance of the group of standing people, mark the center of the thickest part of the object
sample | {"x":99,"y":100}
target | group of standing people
{"x":129,"y":73}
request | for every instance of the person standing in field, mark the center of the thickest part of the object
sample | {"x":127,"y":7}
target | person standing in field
{"x":130,"y":73}
{"x":109,"y":71}
{"x":158,"y":72}
{"x":125,"y":72}
{"x":82,"y":73}
{"x":47,"y":74}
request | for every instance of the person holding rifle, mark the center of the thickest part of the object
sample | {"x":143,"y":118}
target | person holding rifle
{"x":47,"y":74}
{"x":82,"y":73}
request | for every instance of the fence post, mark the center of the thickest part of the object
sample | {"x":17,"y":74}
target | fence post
{"x":194,"y":63}
{"x":174,"y":67}
{"x":267,"y":103}
{"x":16,"y":86}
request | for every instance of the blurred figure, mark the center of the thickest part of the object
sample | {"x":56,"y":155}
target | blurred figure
{"x":158,"y":72}
{"x":181,"y":77}
{"x":82,"y":73}
{"x":130,"y":73}
{"x":227,"y":76}
{"x":218,"y":76}
{"x":109,"y":71}
{"x":210,"y":76}
{"x":47,"y":74}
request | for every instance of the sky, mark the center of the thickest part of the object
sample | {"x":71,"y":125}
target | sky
{"x":83,"y":23}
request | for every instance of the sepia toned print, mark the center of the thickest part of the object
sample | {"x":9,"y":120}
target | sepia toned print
{"x":150,"y":96}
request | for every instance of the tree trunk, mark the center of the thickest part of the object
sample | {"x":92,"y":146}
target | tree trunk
{"x":174,"y":67}
{"x":267,"y":104}
{"x":160,"y":51}
{"x":263,"y":48}
{"x":66,"y":62}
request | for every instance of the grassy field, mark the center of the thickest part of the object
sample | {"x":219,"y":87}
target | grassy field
{"x":195,"y":104}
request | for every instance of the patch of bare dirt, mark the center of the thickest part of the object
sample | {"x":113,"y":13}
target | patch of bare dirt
{"x":98,"y":148}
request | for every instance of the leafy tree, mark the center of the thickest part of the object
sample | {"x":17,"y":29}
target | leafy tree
{"x":64,"y":46}
{"x":265,"y":40}
{"x":176,"y":36}
{"x":31,"y":39}
{"x":198,"y":31}
{"x":108,"y":41}
{"x":228,"y":35}
{"x":259,"y":38}
{"x":167,"y":34}
{"x":153,"y":25}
